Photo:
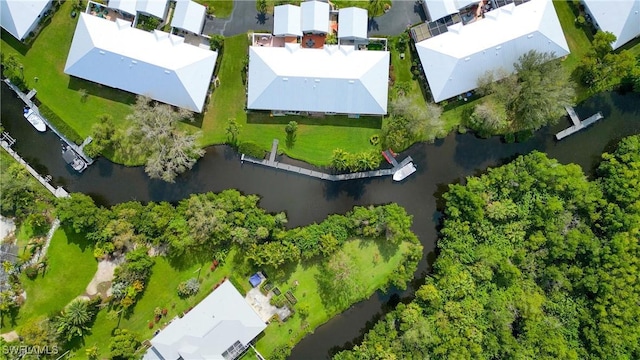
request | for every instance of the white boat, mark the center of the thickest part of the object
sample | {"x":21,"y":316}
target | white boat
{"x":73,"y":159}
{"x":404,"y":171}
{"x":35,"y":120}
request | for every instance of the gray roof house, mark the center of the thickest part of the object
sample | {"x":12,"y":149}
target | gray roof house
{"x":219,"y":327}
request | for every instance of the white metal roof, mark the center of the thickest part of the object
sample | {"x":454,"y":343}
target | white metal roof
{"x":454,"y":61}
{"x":158,"y":65}
{"x":18,"y":17}
{"x":440,"y":8}
{"x":128,"y":6}
{"x":209,"y":329}
{"x":315,"y":16}
{"x":352,"y":23}
{"x":189,"y":15}
{"x":286,"y":20}
{"x":157,"y":8}
{"x":334,"y":79}
{"x":620,"y":17}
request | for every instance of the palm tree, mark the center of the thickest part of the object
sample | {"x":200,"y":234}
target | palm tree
{"x":376,"y":7}
{"x":74,"y":320}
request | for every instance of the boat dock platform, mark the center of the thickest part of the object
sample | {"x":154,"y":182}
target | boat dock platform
{"x":320,"y":175}
{"x":58,"y":192}
{"x":27,"y":100}
{"x":577,"y":124}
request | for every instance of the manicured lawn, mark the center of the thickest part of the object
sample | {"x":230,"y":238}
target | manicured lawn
{"x":160,"y":292}
{"x":373,"y":268}
{"x":71,"y":267}
{"x":46,"y":59}
{"x":317,"y":137}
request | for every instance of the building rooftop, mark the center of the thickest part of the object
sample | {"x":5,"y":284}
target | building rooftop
{"x":352,"y":23}
{"x":17,"y":17}
{"x":219,"y":327}
{"x":188,"y":15}
{"x":620,"y":17}
{"x":287,"y":20}
{"x":453,"y":61}
{"x":315,"y":16}
{"x":155,"y":64}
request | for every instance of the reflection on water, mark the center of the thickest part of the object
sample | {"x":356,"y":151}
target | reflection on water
{"x":309,"y":200}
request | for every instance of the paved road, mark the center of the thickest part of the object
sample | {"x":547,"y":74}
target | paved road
{"x":245,"y":17}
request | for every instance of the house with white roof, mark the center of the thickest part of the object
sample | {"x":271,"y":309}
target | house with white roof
{"x":293,"y":74}
{"x":188,"y":15}
{"x":157,"y":8}
{"x":437,"y":9}
{"x":128,"y":6}
{"x":220,"y":327}
{"x":334,"y":79}
{"x":287,"y":21}
{"x":20,"y":17}
{"x":155,"y":64}
{"x":454,"y":60}
{"x":620,"y":17}
{"x":315,"y":17}
{"x":352,"y":23}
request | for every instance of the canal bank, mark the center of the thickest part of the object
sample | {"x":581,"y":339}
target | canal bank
{"x":309,"y":200}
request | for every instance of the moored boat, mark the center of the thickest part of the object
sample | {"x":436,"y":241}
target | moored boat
{"x":34,"y":119}
{"x":73,"y":159}
{"x":404,"y":171}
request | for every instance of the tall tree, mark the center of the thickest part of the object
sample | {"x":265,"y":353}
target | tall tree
{"x":601,"y":68}
{"x":154,"y":133}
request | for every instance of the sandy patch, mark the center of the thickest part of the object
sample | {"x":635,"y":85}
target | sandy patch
{"x":104,"y":274}
{"x":10,"y":336}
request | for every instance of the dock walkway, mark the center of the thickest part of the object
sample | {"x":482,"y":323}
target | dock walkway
{"x":320,"y":175}
{"x":577,"y":124}
{"x":27,"y":100}
{"x":58,"y":192}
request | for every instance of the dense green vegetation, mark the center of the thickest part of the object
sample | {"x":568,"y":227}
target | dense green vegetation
{"x":535,"y":262}
{"x":160,"y":247}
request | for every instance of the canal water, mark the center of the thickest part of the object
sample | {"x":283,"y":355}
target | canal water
{"x":307,"y":200}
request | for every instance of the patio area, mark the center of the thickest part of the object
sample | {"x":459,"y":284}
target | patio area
{"x":260,"y":303}
{"x":269,"y":40}
{"x":104,"y":12}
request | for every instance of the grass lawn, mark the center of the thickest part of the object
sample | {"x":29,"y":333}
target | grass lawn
{"x":317,"y":137}
{"x":71,"y":267}
{"x":221,"y":8}
{"x":160,"y":292}
{"x":373,"y":266}
{"x":46,"y":59}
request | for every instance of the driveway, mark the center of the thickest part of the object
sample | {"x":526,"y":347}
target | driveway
{"x":402,"y":14}
{"x":245,"y":17}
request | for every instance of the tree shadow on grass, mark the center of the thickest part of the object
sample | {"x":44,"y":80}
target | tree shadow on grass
{"x":386,"y":248}
{"x":368,"y":122}
{"x":77,"y":239}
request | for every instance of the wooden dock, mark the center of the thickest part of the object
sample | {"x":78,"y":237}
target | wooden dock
{"x":577,"y":124}
{"x":57,"y":192}
{"x":27,"y":100}
{"x":320,"y":175}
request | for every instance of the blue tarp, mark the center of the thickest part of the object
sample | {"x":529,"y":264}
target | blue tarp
{"x":255,"y":280}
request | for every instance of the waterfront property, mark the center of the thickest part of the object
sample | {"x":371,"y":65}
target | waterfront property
{"x":220,"y":327}
{"x":155,"y":64}
{"x":462,"y":49}
{"x":20,"y":17}
{"x":619,"y":17}
{"x":296,"y":71}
